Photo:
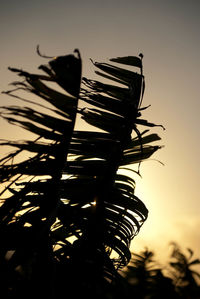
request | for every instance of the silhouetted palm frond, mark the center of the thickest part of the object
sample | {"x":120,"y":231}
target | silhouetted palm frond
{"x":68,"y":204}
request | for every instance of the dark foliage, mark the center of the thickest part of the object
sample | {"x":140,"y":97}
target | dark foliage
{"x":67,"y":214}
{"x":177,"y":279}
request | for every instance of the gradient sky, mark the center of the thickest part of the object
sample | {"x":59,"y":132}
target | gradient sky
{"x":167,"y":33}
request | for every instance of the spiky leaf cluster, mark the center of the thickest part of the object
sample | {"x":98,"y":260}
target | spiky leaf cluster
{"x":68,"y":203}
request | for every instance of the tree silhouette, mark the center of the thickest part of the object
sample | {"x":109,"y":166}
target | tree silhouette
{"x":68,"y":213}
{"x":184,"y":277}
{"x":148,"y":279}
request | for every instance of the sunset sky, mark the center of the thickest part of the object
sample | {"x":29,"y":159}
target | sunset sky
{"x":167,"y":33}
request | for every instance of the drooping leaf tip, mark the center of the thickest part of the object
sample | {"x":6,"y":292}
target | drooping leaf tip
{"x":42,"y":55}
{"x":141,"y":55}
{"x":78,"y":53}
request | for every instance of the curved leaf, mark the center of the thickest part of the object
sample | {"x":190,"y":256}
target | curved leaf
{"x":128,"y":60}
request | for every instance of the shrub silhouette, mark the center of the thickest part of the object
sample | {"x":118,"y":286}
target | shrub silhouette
{"x":176,"y":279}
{"x":68,"y":212}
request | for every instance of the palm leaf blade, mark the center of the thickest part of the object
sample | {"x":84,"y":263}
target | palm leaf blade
{"x":69,"y":200}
